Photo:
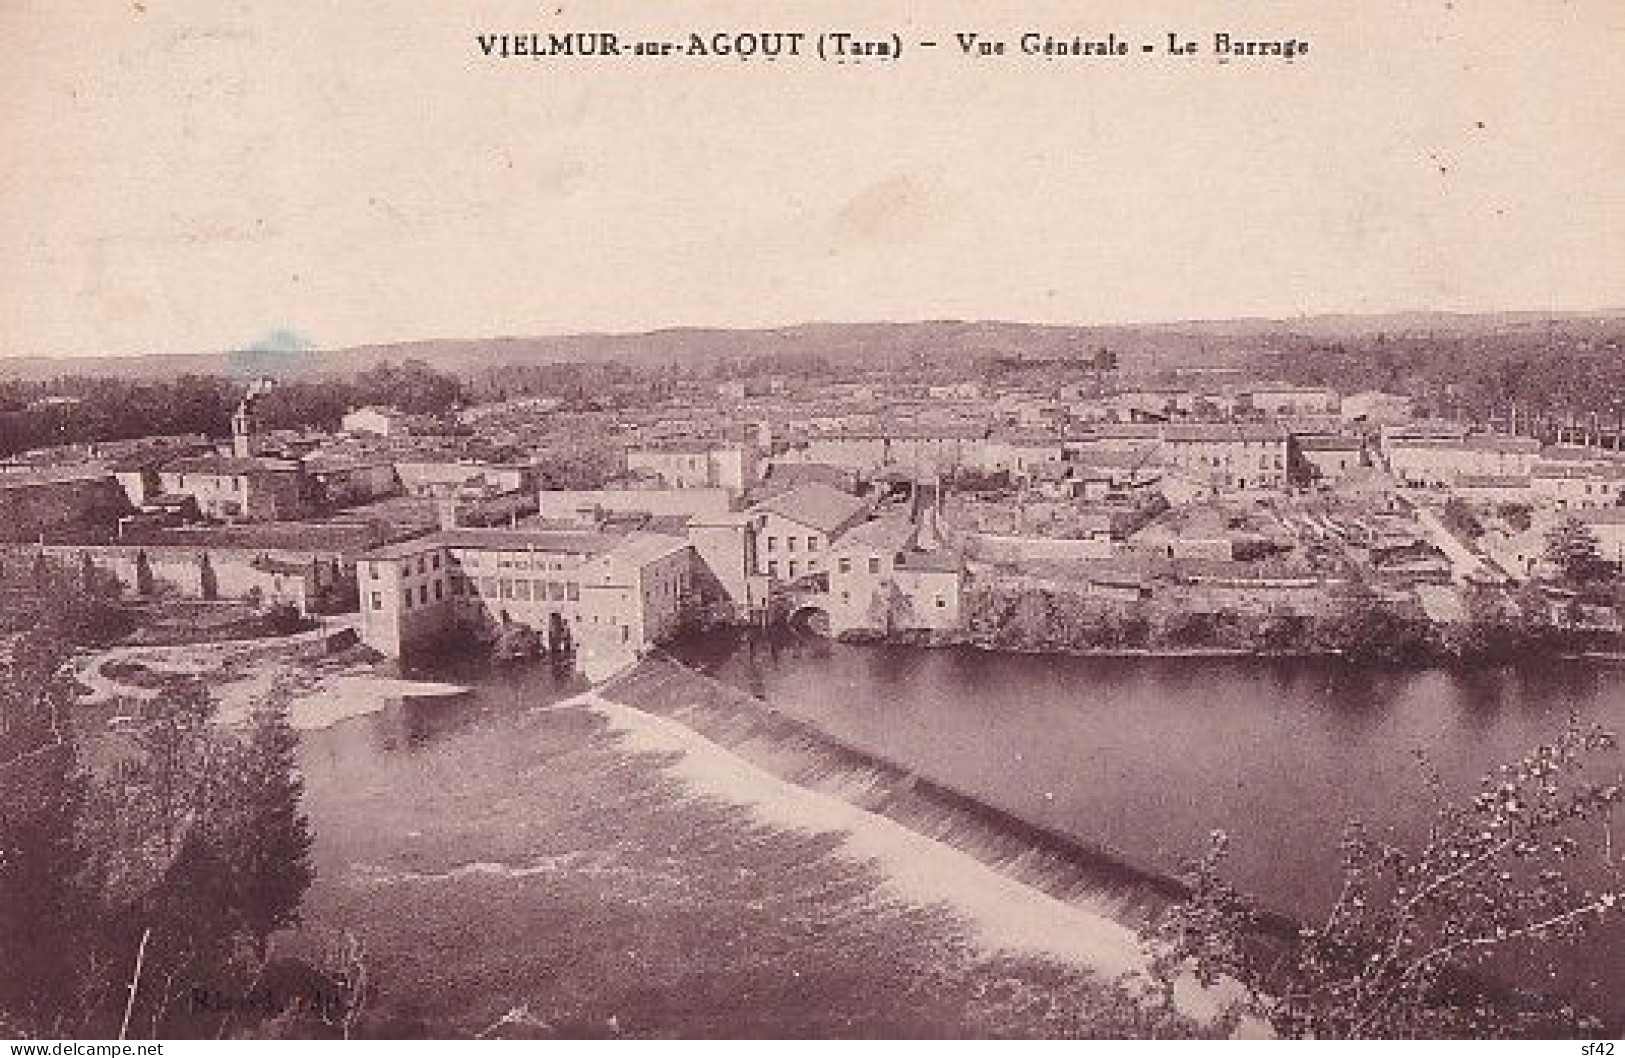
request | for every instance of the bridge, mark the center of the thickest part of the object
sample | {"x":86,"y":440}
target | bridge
{"x":804,"y":603}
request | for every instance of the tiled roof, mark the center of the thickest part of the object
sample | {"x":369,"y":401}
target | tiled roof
{"x":881,"y":534}
{"x":1491,"y":481}
{"x":818,"y":506}
{"x":1221,"y":432}
{"x":229,"y":465}
{"x":1330,"y":444}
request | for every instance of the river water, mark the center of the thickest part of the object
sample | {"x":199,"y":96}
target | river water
{"x":1146,"y":756}
{"x":1143,"y":756}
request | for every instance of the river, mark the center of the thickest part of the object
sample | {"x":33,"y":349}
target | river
{"x":1144,"y":756}
{"x":1148,"y":755}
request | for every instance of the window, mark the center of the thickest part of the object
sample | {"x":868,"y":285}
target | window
{"x":423,"y":594}
{"x":488,"y":586}
{"x":505,"y":588}
{"x":845,"y":565}
{"x":377,"y":600}
{"x":874,"y":564}
{"x":573,"y":591}
{"x":789,"y":543}
{"x":772,"y":543}
{"x":555,"y":590}
{"x":792,"y":567}
{"x":521,"y":590}
{"x":372,"y":570}
{"x":812,"y":543}
{"x":423,"y":566}
{"x":439,"y":591}
{"x":897,"y":560}
{"x":408,"y":598}
{"x":942,"y":604}
{"x":772,"y":567}
{"x":436,"y":560}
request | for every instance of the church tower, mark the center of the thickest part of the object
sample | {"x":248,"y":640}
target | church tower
{"x":247,"y":440}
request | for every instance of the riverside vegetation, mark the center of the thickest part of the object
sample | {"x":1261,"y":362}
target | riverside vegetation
{"x":142,"y":879}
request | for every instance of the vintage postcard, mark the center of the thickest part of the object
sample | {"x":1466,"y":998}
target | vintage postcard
{"x":816,"y":520}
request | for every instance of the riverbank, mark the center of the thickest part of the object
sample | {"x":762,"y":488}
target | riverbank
{"x":1195,"y":653}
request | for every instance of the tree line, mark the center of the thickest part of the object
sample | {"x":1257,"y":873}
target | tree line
{"x":76,"y":410}
{"x":1357,"y":623}
{"x":1551,"y":382}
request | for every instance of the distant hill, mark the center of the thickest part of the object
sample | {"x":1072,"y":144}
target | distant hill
{"x":1202,"y":342}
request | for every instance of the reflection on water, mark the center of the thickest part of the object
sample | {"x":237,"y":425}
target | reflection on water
{"x":1142,"y":755}
{"x":1148,"y":755}
{"x":383,"y":742}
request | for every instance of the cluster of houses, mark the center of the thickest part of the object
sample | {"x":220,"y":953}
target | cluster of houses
{"x":778,"y":505}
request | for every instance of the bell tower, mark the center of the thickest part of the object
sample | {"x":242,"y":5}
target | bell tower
{"x":247,"y":439}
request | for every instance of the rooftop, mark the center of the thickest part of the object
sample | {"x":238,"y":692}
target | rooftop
{"x":521,"y":539}
{"x":1492,"y":481}
{"x":23,"y":477}
{"x":891,"y":533}
{"x":1330,"y":444}
{"x":818,"y":506}
{"x":1223,"y":432}
{"x":229,"y":465}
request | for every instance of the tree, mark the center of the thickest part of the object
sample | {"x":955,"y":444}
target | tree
{"x":48,"y":911}
{"x":209,"y":850}
{"x":268,"y":838}
{"x":1574,"y":549}
{"x":1365,"y":627}
{"x":890,"y":607}
{"x":180,"y":764}
{"x":1461,"y":519}
{"x":1528,"y":861}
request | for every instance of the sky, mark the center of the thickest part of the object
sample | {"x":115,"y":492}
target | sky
{"x":205,"y":175}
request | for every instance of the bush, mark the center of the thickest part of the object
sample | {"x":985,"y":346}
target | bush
{"x":1526,"y":860}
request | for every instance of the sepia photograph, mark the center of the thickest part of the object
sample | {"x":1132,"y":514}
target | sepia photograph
{"x":823,"y":521}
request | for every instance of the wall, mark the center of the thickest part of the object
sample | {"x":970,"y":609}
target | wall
{"x":358,"y":484}
{"x":309,"y":580}
{"x":991,"y":548}
{"x":31,"y":507}
{"x":428,"y":478}
{"x":388,"y":623}
{"x":726,"y":555}
{"x":930,"y":598}
{"x":601,"y":599}
{"x":665,"y":586}
{"x":581,"y":504}
{"x":775,"y":553}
